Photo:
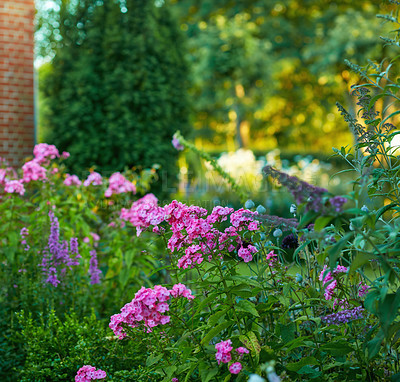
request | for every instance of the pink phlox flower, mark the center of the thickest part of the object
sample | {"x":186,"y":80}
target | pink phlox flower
{"x":329,"y":290}
{"x":192,"y":256}
{"x":72,"y":180}
{"x":325,"y":276}
{"x":242,"y":351}
{"x":272,"y":257}
{"x":93,"y":178}
{"x":95,"y":236}
{"x":247,"y":253}
{"x":32,"y":170}
{"x":219,"y":214}
{"x":65,"y":154}
{"x":174,"y":380}
{"x":235,"y":368}
{"x":118,"y":184}
{"x":146,"y":308}
{"x":243,"y":218}
{"x":180,"y":290}
{"x":143,"y":213}
{"x":340,"y":269}
{"x":14,"y":187}
{"x":89,"y":373}
{"x":224,"y":349}
{"x":362,"y":289}
{"x":42,"y":152}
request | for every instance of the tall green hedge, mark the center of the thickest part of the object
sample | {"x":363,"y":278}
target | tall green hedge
{"x":116,"y":91}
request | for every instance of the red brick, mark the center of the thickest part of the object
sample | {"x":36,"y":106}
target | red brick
{"x":16,"y":79}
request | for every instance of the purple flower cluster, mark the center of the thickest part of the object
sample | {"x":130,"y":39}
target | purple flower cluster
{"x":302,"y":192}
{"x":337,"y":202}
{"x":344,"y":316}
{"x":58,"y":256}
{"x":94,"y":271}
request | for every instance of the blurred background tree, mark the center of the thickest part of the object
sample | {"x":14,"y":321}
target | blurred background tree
{"x":262,"y":75}
{"x":115,"y":89}
{"x":268,"y":73}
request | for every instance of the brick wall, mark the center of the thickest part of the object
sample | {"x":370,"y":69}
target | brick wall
{"x":16,"y":79}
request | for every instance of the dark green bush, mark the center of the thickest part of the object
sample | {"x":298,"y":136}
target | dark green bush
{"x":56,"y":349}
{"x":116,"y":90}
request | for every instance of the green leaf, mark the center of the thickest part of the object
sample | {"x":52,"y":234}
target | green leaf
{"x":214,"y":331}
{"x":152,"y":359}
{"x":361,"y":259}
{"x":287,"y":332}
{"x":337,"y":348}
{"x":251,"y":342}
{"x":335,"y":250}
{"x":217,"y":316}
{"x":371,"y":300}
{"x":374,"y":345}
{"x":322,"y":222}
{"x":307,"y":218}
{"x":296,"y":366}
{"x":191,"y":370}
{"x":207,"y":374}
{"x":387,"y":310}
{"x":247,"y":306}
{"x":383,"y":209}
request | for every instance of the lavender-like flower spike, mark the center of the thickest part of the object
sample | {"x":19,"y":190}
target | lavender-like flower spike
{"x":344,"y":316}
{"x":94,"y":271}
{"x":302,"y":192}
{"x":57,"y":256}
{"x":54,"y":237}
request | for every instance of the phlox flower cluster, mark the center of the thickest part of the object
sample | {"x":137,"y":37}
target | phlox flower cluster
{"x":93,"y":178}
{"x":43,"y":152}
{"x":72,"y":180}
{"x":32,"y":170}
{"x":143,"y":213}
{"x":118,"y":184}
{"x":147,"y":308}
{"x":58,"y":256}
{"x":344,"y":316}
{"x":326,"y":276}
{"x":193,"y":228}
{"x":94,"y":270}
{"x":14,"y":187}
{"x":224,"y":355}
{"x":89,"y":373}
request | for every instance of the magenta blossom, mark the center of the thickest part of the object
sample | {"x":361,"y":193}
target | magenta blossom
{"x":72,"y":180}
{"x":14,"y":187}
{"x":94,"y":178}
{"x":43,"y":152}
{"x":33,"y":171}
{"x":89,"y":373}
{"x":118,"y":184}
{"x":235,"y":368}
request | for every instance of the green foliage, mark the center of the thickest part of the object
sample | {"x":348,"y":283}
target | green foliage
{"x":82,"y":212}
{"x":259,"y":66}
{"x":116,"y":91}
{"x":56,"y":349}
